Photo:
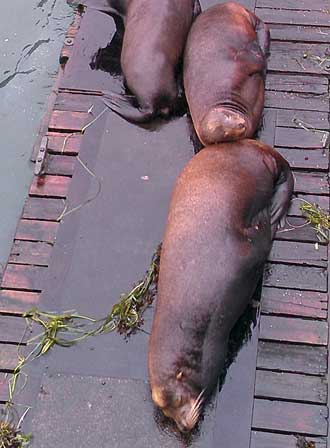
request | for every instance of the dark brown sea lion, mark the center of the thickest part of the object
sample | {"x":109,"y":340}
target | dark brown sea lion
{"x":225,"y":208}
{"x":153,"y":44}
{"x":224,"y":68}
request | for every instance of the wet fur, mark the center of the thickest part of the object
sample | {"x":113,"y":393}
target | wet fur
{"x":154,"y":37}
{"x":225,"y":64}
{"x":226,"y":206}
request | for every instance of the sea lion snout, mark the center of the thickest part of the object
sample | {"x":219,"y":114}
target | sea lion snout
{"x":222,"y":125}
{"x":180,"y":405}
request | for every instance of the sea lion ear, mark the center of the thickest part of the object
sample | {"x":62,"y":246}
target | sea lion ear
{"x":179,"y":375}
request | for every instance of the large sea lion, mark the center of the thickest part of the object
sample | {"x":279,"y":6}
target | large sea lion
{"x":224,"y":69}
{"x":226,"y":206}
{"x":155,"y":33}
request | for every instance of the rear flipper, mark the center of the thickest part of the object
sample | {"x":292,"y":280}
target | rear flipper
{"x":281,"y":199}
{"x":123,"y":106}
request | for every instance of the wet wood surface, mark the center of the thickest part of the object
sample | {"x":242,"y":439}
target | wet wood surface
{"x":289,"y":394}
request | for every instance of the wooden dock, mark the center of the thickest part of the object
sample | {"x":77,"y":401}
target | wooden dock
{"x":285,"y":392}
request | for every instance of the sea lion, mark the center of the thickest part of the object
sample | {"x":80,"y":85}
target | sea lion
{"x":224,"y":69}
{"x":226,"y":206}
{"x":153,"y":44}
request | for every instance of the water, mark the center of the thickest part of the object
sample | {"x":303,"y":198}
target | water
{"x":31,"y":37}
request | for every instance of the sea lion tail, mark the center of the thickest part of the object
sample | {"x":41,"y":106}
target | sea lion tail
{"x":122,"y":106}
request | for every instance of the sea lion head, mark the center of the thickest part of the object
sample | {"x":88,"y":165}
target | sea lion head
{"x":179,"y":401}
{"x":222,"y":124}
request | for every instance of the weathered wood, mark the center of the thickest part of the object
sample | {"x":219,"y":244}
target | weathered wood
{"x":321,"y":201}
{"x":285,"y":16}
{"x":9,"y":357}
{"x":17,"y":302}
{"x":293,"y":83}
{"x":267,"y":129}
{"x":296,"y":358}
{"x":299,"y":33}
{"x":299,"y":138}
{"x":313,"y":119}
{"x":297,"y":101}
{"x":68,"y":121}
{"x":34,"y":230}
{"x":291,"y":386}
{"x":311,"y":183}
{"x":48,"y":209}
{"x":4,"y":388}
{"x":50,"y":186}
{"x":29,"y":278}
{"x":315,"y":159}
{"x":261,"y":439}
{"x":286,"y":417}
{"x":60,"y":165}
{"x":287,"y":329}
{"x":75,"y":102}
{"x":59,"y":143}
{"x":297,"y":229}
{"x":298,"y":57}
{"x":299,"y":253}
{"x":13,"y":329}
{"x":291,"y":302}
{"x":306,"y":5}
{"x":28,"y":252}
{"x":299,"y":277}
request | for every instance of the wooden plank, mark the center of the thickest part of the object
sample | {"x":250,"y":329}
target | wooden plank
{"x":4,"y":391}
{"x":297,"y":101}
{"x":296,"y":358}
{"x":321,"y":201}
{"x":34,"y":230}
{"x":298,"y":277}
{"x":28,"y":278}
{"x":297,"y":229}
{"x":13,"y":329}
{"x":299,"y":33}
{"x":297,"y":17}
{"x":75,"y":102}
{"x":294,"y":83}
{"x":299,"y":253}
{"x":296,"y":57}
{"x":311,"y":183}
{"x":28,"y":252}
{"x":287,"y":329}
{"x":266,"y":132}
{"x":306,"y":5}
{"x":17,"y":302}
{"x":298,"y":138}
{"x":314,"y":159}
{"x":291,"y":387}
{"x":60,"y":165}
{"x":60,"y":143}
{"x":50,"y":186}
{"x":261,"y":439}
{"x":295,"y":207}
{"x":286,"y":417}
{"x":68,"y":121}
{"x":291,"y":302}
{"x":48,"y":209}
{"x":8,"y":357}
{"x":291,"y":118}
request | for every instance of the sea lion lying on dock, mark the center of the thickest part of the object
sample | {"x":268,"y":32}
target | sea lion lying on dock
{"x":226,"y":206}
{"x":155,"y":34}
{"x":224,"y":69}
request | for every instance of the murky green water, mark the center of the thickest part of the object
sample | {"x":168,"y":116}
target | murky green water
{"x":31,"y":36}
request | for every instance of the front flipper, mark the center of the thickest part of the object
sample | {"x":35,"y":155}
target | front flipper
{"x":111,"y":7}
{"x":281,"y":199}
{"x":122,"y":106}
{"x":197,"y":9}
